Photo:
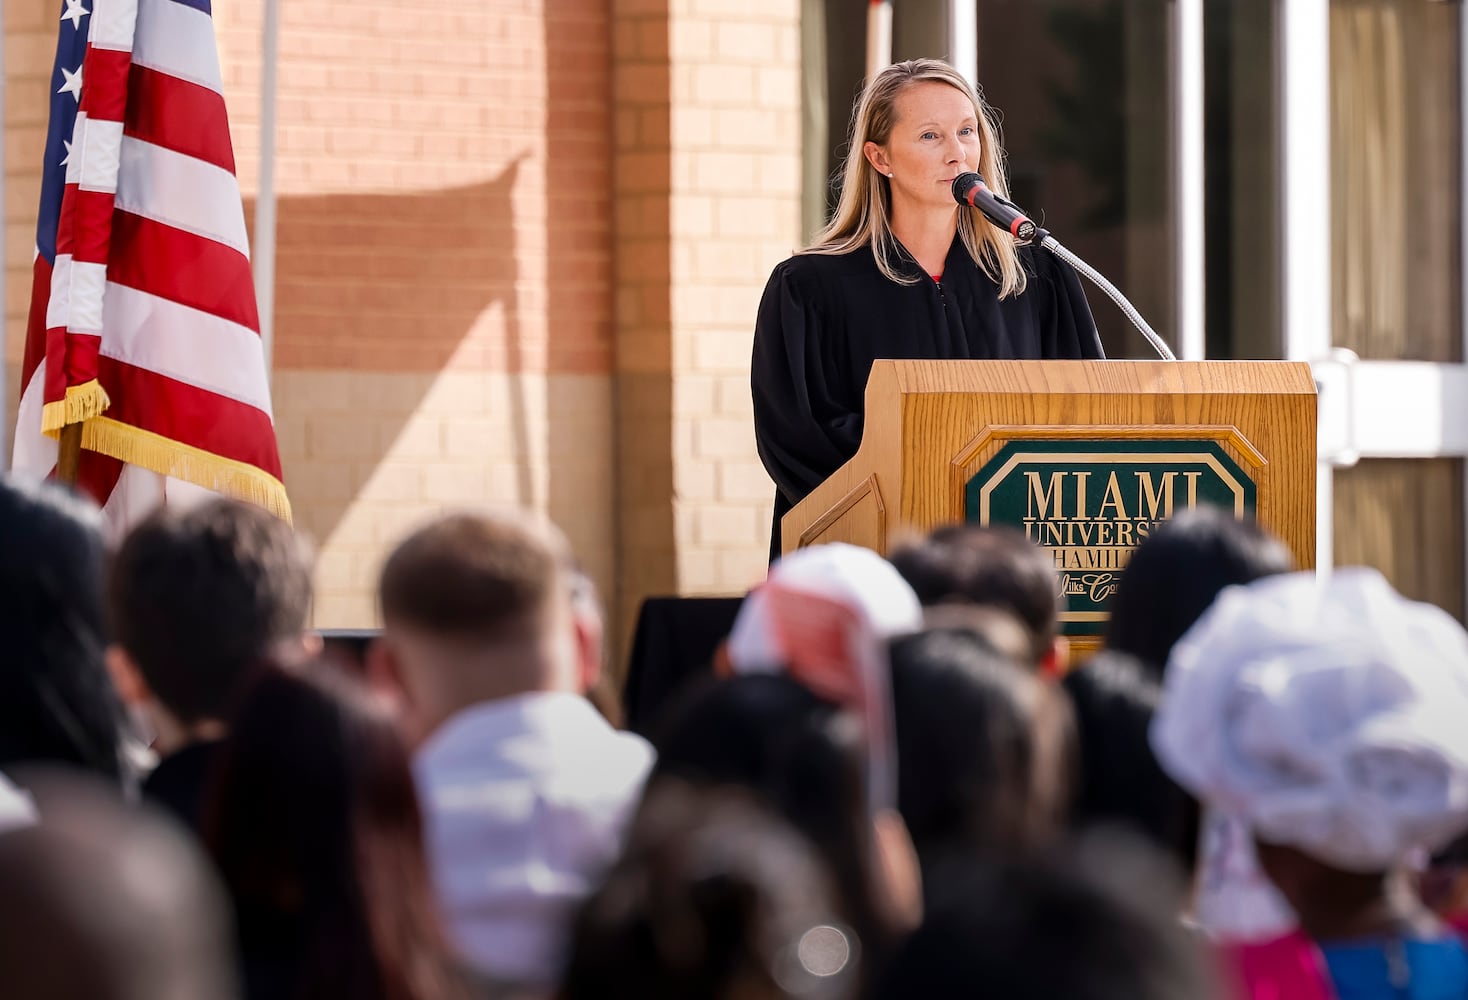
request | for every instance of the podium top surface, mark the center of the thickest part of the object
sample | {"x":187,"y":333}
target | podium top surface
{"x":1120,"y":377}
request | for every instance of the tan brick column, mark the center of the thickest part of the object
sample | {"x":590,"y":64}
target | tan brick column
{"x":707,"y":177}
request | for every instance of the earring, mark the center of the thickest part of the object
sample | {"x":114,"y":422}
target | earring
{"x":889,"y":175}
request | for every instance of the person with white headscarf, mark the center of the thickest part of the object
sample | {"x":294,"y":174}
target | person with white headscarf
{"x":823,"y":617}
{"x":1332,"y":716}
{"x":822,"y":620}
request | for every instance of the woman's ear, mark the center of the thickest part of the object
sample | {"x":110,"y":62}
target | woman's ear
{"x":877,"y":157}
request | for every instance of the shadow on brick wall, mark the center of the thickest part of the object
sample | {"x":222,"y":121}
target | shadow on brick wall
{"x":406,"y":285}
{"x":579,"y":227}
{"x":391,"y":285}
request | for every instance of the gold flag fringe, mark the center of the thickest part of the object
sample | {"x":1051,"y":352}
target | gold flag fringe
{"x":170,"y":458}
{"x":82,"y":402}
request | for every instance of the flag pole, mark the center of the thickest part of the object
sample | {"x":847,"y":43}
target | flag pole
{"x":265,"y":198}
{"x":69,"y":454}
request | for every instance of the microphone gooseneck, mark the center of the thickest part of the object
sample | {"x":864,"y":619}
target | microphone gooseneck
{"x":969,"y":189}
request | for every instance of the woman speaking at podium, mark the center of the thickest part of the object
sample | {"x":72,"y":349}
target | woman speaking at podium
{"x":902,"y":271}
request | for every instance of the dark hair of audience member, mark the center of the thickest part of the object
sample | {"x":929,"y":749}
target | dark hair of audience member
{"x":1119,"y":781}
{"x":803,"y":756}
{"x":104,"y":900}
{"x":970,"y":564}
{"x":1177,"y":571}
{"x":983,"y":748}
{"x":314,"y":823}
{"x":57,"y":703}
{"x":200,"y":596}
{"x":714,"y":897}
{"x":1097,"y":921}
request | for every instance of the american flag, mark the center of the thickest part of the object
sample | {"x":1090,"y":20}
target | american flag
{"x":143,"y":323}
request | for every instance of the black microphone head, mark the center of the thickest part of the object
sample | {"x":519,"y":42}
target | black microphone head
{"x":964,"y":184}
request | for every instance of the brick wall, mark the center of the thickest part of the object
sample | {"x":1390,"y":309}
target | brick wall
{"x":443,"y":291}
{"x":708,"y":183}
{"x":463,"y":313}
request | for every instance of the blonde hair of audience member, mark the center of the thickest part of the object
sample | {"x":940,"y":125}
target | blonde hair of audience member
{"x":479,"y":607}
{"x":103,"y":900}
{"x":872,"y":207}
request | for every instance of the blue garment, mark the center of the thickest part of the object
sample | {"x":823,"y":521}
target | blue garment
{"x":1424,"y":970}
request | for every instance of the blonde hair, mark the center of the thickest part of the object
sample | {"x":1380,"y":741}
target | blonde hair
{"x":864,"y":213}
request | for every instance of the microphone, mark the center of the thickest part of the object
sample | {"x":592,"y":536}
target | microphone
{"x":969,"y":189}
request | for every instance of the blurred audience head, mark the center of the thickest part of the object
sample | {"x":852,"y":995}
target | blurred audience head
{"x":805,"y":759}
{"x":983,"y":748}
{"x":1118,"y":780}
{"x":822,"y":603}
{"x":56,"y":701}
{"x":990,"y":567}
{"x":106,"y":901}
{"x":492,"y":642}
{"x":1177,"y":571}
{"x":314,"y":824}
{"x":1327,"y":715}
{"x":478,"y":607}
{"x":1096,"y":922}
{"x":713,"y":898}
{"x":999,"y":628}
{"x":823,"y":618}
{"x":200,"y":598}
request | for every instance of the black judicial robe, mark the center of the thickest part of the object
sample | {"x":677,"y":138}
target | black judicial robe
{"x":823,"y":320}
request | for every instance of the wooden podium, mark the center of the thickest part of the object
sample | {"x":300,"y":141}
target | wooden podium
{"x":1085,"y":457}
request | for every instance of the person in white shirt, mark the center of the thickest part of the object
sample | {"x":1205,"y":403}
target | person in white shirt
{"x":526,"y":789}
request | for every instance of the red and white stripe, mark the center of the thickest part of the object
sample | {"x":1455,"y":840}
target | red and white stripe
{"x":151,"y":293}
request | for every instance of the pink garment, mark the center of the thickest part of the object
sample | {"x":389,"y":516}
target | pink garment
{"x":1284,"y":968}
{"x":1289,"y":967}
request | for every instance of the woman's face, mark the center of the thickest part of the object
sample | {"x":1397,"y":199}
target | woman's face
{"x":935,"y":139}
